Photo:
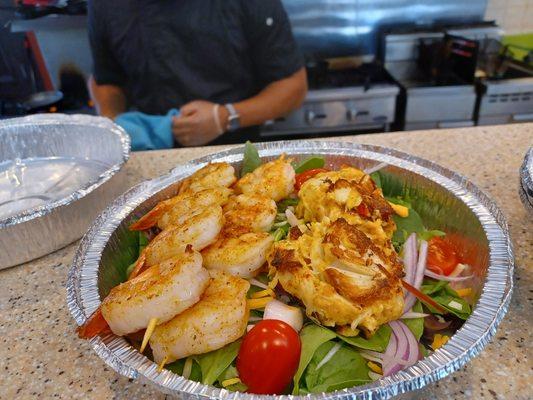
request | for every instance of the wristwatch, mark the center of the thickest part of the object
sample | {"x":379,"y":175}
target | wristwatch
{"x":234,"y":119}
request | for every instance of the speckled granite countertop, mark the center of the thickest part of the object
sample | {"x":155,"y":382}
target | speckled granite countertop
{"x":41,"y":356}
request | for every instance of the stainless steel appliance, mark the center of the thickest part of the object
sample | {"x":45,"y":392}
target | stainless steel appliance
{"x":426,"y":102}
{"x":505,"y":93}
{"x":335,"y":28}
{"x":352,"y":99}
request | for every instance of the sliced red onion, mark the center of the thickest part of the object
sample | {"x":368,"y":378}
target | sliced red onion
{"x":419,"y":275}
{"x":402,"y":349}
{"x":412,"y":315}
{"x":409,"y":258}
{"x":449,"y":278}
{"x":458,"y":270}
{"x":432,"y":323}
{"x":372,"y":355}
{"x":257,"y":283}
{"x":329,"y":355}
{"x":375,"y":168}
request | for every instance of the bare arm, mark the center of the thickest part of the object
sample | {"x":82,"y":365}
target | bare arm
{"x":274,"y":101}
{"x":109,"y":100}
{"x":196,"y":125}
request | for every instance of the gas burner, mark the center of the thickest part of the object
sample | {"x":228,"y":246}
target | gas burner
{"x":320,"y":77}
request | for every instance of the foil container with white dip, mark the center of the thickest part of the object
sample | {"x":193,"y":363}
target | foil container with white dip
{"x":57,"y":173}
{"x":448,"y":202}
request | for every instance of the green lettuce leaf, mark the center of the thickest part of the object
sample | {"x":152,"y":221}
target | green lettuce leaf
{"x":229,"y":373}
{"x":376,"y":177}
{"x":378,"y":342}
{"x":345,"y":369}
{"x":443,"y":294}
{"x":251,"y":159}
{"x":311,"y":337}
{"x":142,"y":242}
{"x":177,"y":368}
{"x":416,"y":325}
{"x":309,"y":163}
{"x":215,"y":362}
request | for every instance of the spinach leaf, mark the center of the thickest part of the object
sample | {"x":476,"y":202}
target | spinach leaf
{"x":416,"y":325}
{"x":229,"y":373}
{"x":251,"y":159}
{"x":215,"y":362}
{"x":177,"y":368}
{"x":428,"y":235}
{"x":345,"y":369}
{"x":311,"y":337}
{"x":443,"y":294}
{"x":376,"y":177}
{"x":309,"y":163}
{"x":378,"y":342}
{"x":142,"y":242}
{"x":283,"y":204}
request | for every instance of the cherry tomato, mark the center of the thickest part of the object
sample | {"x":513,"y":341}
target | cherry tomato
{"x":442,"y":257}
{"x":301,"y":178}
{"x":269,"y":357}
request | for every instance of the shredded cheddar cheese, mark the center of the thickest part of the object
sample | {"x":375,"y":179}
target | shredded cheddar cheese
{"x":402,"y":211}
{"x":439,"y":341}
{"x":231,"y":381}
{"x":374,"y":367}
{"x":464,"y":292}
{"x":259,"y":303}
{"x":263,"y":293}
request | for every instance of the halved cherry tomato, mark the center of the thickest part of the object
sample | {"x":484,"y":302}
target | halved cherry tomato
{"x":442,"y":257}
{"x":301,"y":178}
{"x":269,"y":357}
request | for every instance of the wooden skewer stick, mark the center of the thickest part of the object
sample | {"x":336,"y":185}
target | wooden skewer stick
{"x":162,"y":365}
{"x":148,"y":333}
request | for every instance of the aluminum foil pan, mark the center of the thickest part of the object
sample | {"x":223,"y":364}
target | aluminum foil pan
{"x":451,"y":203}
{"x":526,"y":181}
{"x":57,"y":173}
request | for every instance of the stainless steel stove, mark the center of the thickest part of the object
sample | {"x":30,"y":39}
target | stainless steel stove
{"x":346,"y":100}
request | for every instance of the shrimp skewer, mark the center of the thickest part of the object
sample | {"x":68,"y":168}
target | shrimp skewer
{"x":178,"y":209}
{"x":251,"y":211}
{"x":211,"y":176}
{"x":218,"y":319}
{"x":274,"y":179}
{"x":199,"y":231}
{"x":241,"y":254}
{"x":161,"y":292}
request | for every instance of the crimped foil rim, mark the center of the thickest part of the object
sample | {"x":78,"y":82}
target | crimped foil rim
{"x":73,"y":119}
{"x":83,"y":297}
{"x":526,"y":181}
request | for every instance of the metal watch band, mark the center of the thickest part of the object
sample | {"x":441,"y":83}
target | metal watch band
{"x":234,"y":121}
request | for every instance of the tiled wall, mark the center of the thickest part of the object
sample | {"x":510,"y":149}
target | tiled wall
{"x":515,"y":16}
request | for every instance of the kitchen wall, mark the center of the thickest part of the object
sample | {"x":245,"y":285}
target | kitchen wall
{"x":515,"y":16}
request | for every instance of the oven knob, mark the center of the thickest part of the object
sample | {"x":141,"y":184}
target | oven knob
{"x":351,"y":114}
{"x":310,"y":116}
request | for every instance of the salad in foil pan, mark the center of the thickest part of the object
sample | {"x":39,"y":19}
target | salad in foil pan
{"x":288,"y":277}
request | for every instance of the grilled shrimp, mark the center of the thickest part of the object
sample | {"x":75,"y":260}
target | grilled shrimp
{"x":252,"y":211}
{"x":178,"y":209}
{"x":238,"y":253}
{"x":211,"y":176}
{"x":219,"y":318}
{"x":199,"y":231}
{"x":275,"y":179}
{"x":161,"y":292}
